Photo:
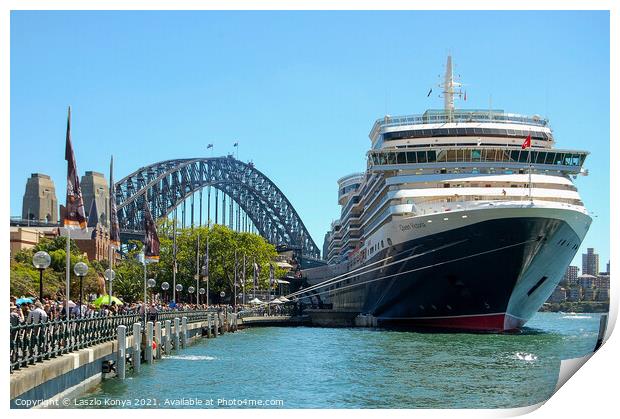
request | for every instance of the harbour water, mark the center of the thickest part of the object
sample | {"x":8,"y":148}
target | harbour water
{"x":304,"y":367}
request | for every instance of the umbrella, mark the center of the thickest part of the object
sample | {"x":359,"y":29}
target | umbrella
{"x":276,"y":301}
{"x":71,"y":304}
{"x":23,"y":300}
{"x":284,"y":299}
{"x":105,"y":299}
{"x":255,"y":301}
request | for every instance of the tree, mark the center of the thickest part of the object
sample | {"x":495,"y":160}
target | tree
{"x":222,"y":245}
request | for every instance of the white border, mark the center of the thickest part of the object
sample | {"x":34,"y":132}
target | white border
{"x":591,"y":393}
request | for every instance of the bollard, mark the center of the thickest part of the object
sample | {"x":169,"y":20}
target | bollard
{"x":221,"y":322}
{"x":168,"y":343}
{"x":135,"y":356}
{"x":185,"y":331}
{"x":148,"y":348}
{"x":120,"y":351}
{"x":158,"y":340}
{"x":209,"y":325}
{"x":177,"y":344}
{"x":216,"y":321}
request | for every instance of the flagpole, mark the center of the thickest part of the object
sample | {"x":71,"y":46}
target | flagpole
{"x":144,"y":304}
{"x":110,"y":249}
{"x":235,"y":284}
{"x":198,"y":268}
{"x":68,"y":273}
{"x":208,"y":234}
{"x":529,"y":159}
{"x":243,"y":299}
{"x":174,"y":258}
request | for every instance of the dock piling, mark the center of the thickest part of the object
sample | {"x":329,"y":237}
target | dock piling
{"x":148,"y":348}
{"x":158,"y":342}
{"x":183,"y":333}
{"x":168,"y":338}
{"x":121,"y":351}
{"x":177,"y":344}
{"x":137,"y":340}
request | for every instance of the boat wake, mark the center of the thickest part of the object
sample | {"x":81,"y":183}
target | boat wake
{"x":190,"y":357}
{"x":524,"y":356}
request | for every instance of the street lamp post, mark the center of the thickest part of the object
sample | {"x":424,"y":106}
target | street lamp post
{"x":178,"y":289}
{"x":151,"y":284}
{"x":164,"y":287}
{"x":201,"y":291}
{"x":222,"y":295}
{"x":191,"y":293}
{"x":110,"y":275}
{"x":41,"y":260}
{"x":81,"y":269}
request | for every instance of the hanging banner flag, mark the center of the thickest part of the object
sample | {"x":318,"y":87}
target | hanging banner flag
{"x":151,"y":241}
{"x":271,"y":275}
{"x":256,"y":271}
{"x":74,"y":216}
{"x":115,"y":233}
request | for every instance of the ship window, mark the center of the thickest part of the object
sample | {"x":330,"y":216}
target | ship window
{"x":411,"y":157}
{"x":475,"y":155}
{"x":540,"y":157}
{"x":432,"y":155}
{"x":550,"y":158}
{"x":421,"y":156}
{"x":391,"y":158}
{"x":446,"y":185}
{"x":401,"y":158}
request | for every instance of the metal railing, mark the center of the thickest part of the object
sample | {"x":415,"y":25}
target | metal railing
{"x":37,"y":342}
{"x":456,"y":116}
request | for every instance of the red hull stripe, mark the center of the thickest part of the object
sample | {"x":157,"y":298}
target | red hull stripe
{"x":492,"y":322}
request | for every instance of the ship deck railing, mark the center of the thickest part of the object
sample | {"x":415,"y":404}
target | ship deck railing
{"x":454,"y":117}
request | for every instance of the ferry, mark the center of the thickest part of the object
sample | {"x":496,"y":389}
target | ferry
{"x":464,"y":219}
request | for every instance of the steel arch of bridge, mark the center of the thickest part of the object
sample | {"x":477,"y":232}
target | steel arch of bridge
{"x":167,"y":184}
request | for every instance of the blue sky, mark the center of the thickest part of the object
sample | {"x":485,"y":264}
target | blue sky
{"x":298,"y":90}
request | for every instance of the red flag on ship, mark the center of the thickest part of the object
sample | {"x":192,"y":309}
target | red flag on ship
{"x":74,"y":216}
{"x":527,"y":143}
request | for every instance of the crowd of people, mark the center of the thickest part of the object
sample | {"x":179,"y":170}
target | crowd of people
{"x":31,"y":310}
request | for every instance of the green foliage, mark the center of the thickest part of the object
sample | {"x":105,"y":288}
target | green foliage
{"x":128,"y":284}
{"x":57,"y":243}
{"x":222,"y":245}
{"x":25,"y":277}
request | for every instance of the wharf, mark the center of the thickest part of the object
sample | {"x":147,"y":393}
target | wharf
{"x":280,"y":321}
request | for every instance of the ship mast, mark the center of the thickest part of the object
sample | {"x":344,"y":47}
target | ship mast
{"x":449,"y":90}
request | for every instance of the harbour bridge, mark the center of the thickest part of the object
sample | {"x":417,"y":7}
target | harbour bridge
{"x":255,"y":203}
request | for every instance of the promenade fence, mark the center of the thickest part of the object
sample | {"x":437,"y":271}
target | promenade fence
{"x":31,"y":343}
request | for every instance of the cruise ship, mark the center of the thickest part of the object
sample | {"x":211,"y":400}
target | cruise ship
{"x":465,"y":219}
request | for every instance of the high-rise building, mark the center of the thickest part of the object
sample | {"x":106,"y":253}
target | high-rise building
{"x":95,"y":187}
{"x":570,"y":276}
{"x":589,"y":263}
{"x":40,"y":203}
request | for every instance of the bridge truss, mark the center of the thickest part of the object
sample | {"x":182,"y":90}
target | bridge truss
{"x":168,"y":184}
